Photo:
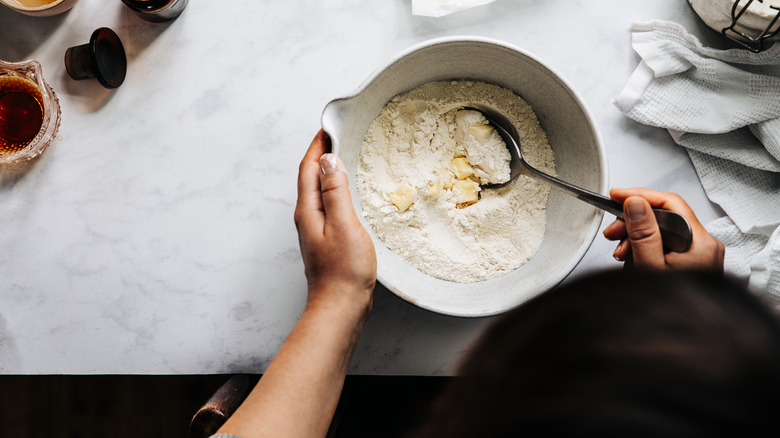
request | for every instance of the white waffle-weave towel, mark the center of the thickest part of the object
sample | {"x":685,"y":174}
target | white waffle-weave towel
{"x":723,"y":106}
{"x":440,"y":8}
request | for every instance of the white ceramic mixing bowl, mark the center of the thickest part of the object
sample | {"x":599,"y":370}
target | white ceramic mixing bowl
{"x":579,"y":156}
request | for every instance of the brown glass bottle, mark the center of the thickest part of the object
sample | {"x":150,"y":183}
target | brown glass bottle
{"x":156,"y":11}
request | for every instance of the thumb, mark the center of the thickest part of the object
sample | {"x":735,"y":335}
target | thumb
{"x":334,"y":185}
{"x":643,"y":233}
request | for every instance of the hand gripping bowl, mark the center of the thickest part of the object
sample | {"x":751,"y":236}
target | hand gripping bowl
{"x":579,"y":156}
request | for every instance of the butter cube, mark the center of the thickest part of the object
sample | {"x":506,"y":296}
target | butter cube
{"x":403,"y":196}
{"x":435,"y":187}
{"x":447,"y":179}
{"x":481,"y":132}
{"x":465,"y":192}
{"x":461,"y":168}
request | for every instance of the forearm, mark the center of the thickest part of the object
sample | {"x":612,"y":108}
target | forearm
{"x":299,"y":391}
{"x":298,"y":394}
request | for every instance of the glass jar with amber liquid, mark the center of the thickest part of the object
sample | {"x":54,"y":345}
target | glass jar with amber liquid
{"x":29,"y":111}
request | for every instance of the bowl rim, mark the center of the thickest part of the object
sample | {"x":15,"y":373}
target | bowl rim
{"x":595,"y":224}
{"x":20,"y":7}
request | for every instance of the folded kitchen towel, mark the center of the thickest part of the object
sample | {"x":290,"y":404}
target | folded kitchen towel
{"x":723,"y":106}
{"x":440,"y":8}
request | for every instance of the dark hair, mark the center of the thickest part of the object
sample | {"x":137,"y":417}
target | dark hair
{"x":628,"y":353}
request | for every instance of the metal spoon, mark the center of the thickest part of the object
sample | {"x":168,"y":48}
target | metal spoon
{"x":676,"y":232}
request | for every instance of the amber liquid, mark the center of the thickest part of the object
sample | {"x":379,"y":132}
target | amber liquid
{"x":21,"y":113}
{"x":33,"y":3}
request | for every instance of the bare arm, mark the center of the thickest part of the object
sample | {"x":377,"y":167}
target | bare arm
{"x":299,"y":391}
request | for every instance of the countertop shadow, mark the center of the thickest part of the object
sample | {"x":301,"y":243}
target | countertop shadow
{"x":94,"y":95}
{"x":136,"y":35}
{"x":22,"y":34}
{"x":12,"y":173}
{"x":140,"y":33}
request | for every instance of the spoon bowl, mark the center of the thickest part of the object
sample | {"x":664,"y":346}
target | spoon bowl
{"x":676,"y":232}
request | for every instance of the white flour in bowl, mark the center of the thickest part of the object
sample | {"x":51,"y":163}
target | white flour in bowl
{"x":422,"y":163}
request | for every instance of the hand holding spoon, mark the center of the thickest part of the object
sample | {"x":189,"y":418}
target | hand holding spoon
{"x":676,"y":232}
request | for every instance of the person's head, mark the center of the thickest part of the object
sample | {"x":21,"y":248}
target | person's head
{"x":628,"y":353}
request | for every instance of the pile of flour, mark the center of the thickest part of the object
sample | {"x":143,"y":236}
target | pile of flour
{"x":412,"y":143}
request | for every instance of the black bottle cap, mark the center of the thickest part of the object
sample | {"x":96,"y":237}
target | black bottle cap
{"x":102,"y":58}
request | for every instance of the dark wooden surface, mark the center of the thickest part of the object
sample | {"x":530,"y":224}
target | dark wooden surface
{"x":383,"y":407}
{"x":102,"y":406}
{"x":162,"y":406}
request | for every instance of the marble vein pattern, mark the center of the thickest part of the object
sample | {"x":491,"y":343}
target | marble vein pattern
{"x":156,"y":235}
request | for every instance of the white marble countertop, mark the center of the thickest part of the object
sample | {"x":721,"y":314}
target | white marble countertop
{"x":156,"y":234}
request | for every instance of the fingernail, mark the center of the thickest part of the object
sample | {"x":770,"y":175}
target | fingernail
{"x":330,"y":163}
{"x":617,"y":250}
{"x":635,"y":209}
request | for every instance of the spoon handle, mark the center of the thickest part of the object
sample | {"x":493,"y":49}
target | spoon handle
{"x":676,"y":232}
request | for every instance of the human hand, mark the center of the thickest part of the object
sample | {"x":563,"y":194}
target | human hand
{"x":640,"y":239}
{"x":338,"y":255}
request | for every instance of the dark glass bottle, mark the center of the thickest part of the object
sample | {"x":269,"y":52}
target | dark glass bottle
{"x":156,"y":11}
